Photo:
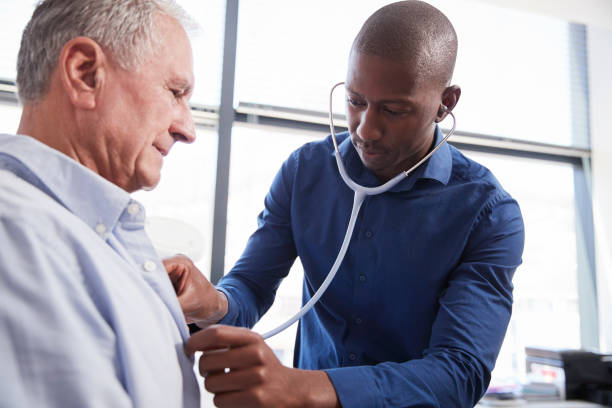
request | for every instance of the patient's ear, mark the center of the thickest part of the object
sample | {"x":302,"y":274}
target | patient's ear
{"x":82,"y":69}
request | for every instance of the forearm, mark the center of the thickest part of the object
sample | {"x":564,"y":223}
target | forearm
{"x":251,"y":285}
{"x":313,"y":388}
{"x":244,"y":307}
{"x":446,"y":379}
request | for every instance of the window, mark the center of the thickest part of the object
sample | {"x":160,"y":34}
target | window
{"x":10,"y":114}
{"x":14,"y":17}
{"x":289,"y":54}
{"x":510,"y":87}
{"x":257,"y":155}
{"x":207,"y":46}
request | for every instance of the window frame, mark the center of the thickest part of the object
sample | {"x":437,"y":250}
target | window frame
{"x":227,"y":113}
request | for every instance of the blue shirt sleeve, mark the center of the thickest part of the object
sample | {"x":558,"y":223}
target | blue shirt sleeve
{"x":251,"y":285}
{"x":468,"y":331}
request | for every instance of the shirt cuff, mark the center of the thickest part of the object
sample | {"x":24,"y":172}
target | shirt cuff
{"x":231,"y":316}
{"x":354,"y":386}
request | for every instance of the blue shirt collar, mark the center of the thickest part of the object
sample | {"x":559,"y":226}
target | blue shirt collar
{"x":67,"y":183}
{"x":437,"y":168}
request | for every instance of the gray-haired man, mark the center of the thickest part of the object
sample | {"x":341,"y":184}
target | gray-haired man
{"x":89,"y":316}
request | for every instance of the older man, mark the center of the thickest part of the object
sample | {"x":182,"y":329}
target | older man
{"x":89,"y":316}
{"x":418,"y":310}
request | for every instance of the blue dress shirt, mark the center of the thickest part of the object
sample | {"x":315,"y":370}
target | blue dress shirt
{"x":88,"y":316}
{"x":418,"y":310}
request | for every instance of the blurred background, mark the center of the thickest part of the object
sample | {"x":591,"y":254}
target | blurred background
{"x":535,"y":109}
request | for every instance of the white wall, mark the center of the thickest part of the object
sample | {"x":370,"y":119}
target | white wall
{"x":600,"y":86}
{"x":10,"y":114}
{"x":597,"y":13}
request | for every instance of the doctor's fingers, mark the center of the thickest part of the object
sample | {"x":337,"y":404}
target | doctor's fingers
{"x":178,"y":261}
{"x":178,"y":271}
{"x":239,"y":358}
{"x":219,"y":337}
{"x":235,"y":380}
{"x":178,"y":278}
{"x":248,"y":398}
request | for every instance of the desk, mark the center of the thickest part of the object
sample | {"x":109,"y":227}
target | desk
{"x":549,"y":404}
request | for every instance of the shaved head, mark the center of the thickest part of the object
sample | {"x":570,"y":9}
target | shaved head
{"x":415,"y":32}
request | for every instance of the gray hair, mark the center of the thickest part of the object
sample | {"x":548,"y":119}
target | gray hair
{"x":124,"y":28}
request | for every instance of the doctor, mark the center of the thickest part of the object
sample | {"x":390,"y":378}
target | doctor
{"x":419,"y":308}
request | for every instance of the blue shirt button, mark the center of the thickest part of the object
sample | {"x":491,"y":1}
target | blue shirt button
{"x":358,"y":320}
{"x":352,"y":356}
{"x":362,"y":278}
{"x":369,"y":234}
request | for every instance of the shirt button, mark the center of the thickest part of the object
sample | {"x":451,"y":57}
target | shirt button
{"x":369,"y":234}
{"x":133,"y":209}
{"x":149,"y":266}
{"x":352,"y":356}
{"x":358,"y":320}
{"x":100,"y":228}
{"x":362,"y":278}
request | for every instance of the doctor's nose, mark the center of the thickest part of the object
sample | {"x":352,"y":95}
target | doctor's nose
{"x":369,"y":128}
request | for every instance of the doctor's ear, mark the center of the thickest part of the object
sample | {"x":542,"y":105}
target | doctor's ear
{"x":450,"y":97}
{"x":82,"y":68}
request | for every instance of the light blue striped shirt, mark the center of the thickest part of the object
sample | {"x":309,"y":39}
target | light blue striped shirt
{"x":88,"y":316}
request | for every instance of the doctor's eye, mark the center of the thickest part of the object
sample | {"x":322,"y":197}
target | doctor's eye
{"x":393,"y":112}
{"x":355,"y":102}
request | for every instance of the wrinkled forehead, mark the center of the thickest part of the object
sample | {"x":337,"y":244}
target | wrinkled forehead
{"x":172,"y":50}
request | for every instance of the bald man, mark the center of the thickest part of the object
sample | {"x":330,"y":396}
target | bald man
{"x":418,"y":310}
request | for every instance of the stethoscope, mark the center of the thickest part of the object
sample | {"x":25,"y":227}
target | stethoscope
{"x":360,"y":194}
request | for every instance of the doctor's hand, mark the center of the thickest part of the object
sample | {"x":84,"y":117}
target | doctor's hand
{"x":201,"y":302}
{"x":242,"y":371}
